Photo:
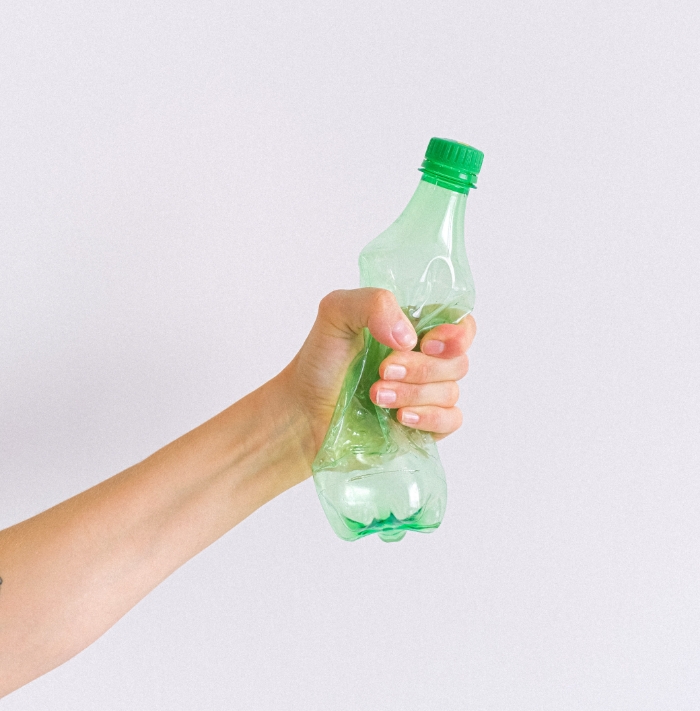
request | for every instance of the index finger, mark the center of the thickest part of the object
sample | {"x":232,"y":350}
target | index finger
{"x":450,"y":339}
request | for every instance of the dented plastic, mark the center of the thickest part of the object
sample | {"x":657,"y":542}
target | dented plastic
{"x":373,"y":474}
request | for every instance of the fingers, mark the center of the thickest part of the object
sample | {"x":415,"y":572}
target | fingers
{"x":449,"y":340}
{"x":439,"y":420}
{"x":398,"y":395}
{"x":347,"y":312}
{"x":422,"y":386}
{"x":412,"y":367}
{"x":429,"y":407}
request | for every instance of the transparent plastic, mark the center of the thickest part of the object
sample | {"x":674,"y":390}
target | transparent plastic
{"x":373,"y":474}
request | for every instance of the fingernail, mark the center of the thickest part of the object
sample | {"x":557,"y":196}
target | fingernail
{"x":433,"y":347}
{"x":409,"y":418}
{"x":404,"y":334}
{"x":385,"y":397}
{"x":394,"y":372}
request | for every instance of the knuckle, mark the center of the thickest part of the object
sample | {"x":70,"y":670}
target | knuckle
{"x":410,"y":394}
{"x":452,"y":393}
{"x":463,"y":368}
{"x":458,"y":418}
{"x":423,"y":371}
{"x":403,"y":394}
{"x":382,"y":299}
{"x":435,"y":418}
{"x":462,"y":342}
{"x":329,"y":302}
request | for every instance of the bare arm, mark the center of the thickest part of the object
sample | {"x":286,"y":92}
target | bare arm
{"x":71,"y":572}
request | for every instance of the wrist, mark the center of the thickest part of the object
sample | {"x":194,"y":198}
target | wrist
{"x":271,"y":444}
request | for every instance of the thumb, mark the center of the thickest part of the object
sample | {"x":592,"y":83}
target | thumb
{"x":349,"y":311}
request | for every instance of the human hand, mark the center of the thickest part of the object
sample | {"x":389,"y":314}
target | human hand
{"x":422,"y":386}
{"x":72,"y":571}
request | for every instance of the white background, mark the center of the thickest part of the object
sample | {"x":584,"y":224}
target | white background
{"x":181,"y":182}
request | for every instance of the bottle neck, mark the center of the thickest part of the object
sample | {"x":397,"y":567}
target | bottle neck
{"x":437,"y":211}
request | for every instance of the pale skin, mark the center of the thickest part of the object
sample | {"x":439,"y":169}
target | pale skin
{"x":72,"y":571}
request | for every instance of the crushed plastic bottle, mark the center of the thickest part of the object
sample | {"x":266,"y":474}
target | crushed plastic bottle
{"x":373,"y":474}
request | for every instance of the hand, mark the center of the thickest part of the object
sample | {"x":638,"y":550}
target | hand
{"x":422,"y":386}
{"x":72,"y":571}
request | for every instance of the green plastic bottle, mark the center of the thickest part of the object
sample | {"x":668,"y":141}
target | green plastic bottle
{"x":373,"y":474}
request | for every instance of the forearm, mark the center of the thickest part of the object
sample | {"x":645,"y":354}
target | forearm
{"x":71,"y":572}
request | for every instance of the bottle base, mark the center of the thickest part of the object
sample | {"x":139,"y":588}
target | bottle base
{"x":389,"y":529}
{"x":391,"y":536}
{"x":388,"y":503}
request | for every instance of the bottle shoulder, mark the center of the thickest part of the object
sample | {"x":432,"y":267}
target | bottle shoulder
{"x":421,"y":257}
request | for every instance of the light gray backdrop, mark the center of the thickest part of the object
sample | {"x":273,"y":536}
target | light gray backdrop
{"x":181,"y":182}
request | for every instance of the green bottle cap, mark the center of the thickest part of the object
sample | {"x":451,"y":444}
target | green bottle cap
{"x":451,"y":165}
